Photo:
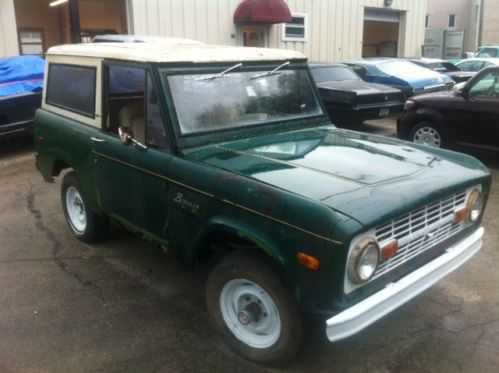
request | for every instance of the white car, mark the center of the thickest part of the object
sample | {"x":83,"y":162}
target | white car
{"x":477,"y":64}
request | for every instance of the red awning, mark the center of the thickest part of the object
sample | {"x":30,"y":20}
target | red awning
{"x":262,"y":11}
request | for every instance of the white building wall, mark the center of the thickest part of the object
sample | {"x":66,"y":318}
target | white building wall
{"x":335,"y":27}
{"x":8,"y":30}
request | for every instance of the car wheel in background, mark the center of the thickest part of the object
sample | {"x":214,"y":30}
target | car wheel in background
{"x":254,"y":310}
{"x":427,"y":133}
{"x":84,"y":223}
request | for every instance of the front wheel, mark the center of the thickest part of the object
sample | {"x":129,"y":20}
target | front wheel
{"x":427,"y":133}
{"x":85,"y":224}
{"x":254,"y":310}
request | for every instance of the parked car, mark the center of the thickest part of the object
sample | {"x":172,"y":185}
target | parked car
{"x":226,"y":156}
{"x":465,"y":118}
{"x":349,"y":100}
{"x":476,"y":64}
{"x":412,"y":79}
{"x":21,"y":81}
{"x":444,"y":67}
{"x":488,"y":51}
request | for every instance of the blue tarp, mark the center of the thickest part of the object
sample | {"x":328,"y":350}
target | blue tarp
{"x":21,"y":74}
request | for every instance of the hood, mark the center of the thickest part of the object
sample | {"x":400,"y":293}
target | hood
{"x":358,"y":86}
{"x":362,"y":176}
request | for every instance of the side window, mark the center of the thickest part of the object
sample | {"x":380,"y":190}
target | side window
{"x":72,"y":87}
{"x":471,"y":66}
{"x":486,"y":87}
{"x":132,"y":104}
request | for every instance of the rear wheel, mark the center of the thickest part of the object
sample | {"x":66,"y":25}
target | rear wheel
{"x":253,"y":309}
{"x":427,"y":133}
{"x":84,"y":223}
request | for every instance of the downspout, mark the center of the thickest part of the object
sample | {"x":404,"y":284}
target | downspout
{"x":479,"y":26}
{"x":74,"y":14}
{"x":129,"y":17}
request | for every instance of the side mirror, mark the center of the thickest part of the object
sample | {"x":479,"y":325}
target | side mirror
{"x":125,"y":134}
{"x":459,"y":88}
{"x":126,"y":137}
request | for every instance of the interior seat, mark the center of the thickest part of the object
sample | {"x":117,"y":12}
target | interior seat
{"x":132,"y":116}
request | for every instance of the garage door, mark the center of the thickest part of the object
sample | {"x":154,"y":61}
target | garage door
{"x":381,"y":33}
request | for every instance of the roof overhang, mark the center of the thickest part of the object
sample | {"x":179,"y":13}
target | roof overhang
{"x":262,"y":12}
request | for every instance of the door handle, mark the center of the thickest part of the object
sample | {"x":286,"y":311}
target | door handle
{"x":96,"y":139}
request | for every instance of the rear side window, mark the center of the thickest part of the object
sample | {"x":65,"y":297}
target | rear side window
{"x":72,"y":87}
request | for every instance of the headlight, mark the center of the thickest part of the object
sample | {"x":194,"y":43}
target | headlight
{"x":409,"y":105}
{"x":363,"y":260}
{"x":474,"y":205}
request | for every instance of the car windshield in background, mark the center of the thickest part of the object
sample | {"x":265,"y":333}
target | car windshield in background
{"x":333,"y":74}
{"x":241,"y":99}
{"x":443,"y":66}
{"x":400,"y":67}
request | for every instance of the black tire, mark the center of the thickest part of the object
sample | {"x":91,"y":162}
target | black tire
{"x":85,"y":224}
{"x":427,"y":133}
{"x":285,"y":341}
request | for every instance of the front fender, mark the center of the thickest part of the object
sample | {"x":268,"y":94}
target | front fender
{"x":223,"y":226}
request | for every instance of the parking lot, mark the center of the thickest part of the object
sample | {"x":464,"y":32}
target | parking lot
{"x":124,"y":305}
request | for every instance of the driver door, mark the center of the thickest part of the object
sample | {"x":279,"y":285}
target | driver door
{"x":132,"y":173}
{"x":476,"y":118}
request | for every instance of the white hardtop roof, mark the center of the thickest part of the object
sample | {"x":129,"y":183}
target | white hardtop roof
{"x":172,"y":51}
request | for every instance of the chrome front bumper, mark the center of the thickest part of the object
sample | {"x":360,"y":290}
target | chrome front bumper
{"x":363,"y":314}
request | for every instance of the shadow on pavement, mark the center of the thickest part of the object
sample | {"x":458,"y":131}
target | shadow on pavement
{"x":13,"y":147}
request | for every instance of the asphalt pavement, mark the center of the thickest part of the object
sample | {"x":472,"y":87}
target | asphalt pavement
{"x":124,"y":305}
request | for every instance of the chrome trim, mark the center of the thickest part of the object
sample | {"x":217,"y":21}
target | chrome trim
{"x":420,"y":230}
{"x":416,"y":232}
{"x":371,"y":309}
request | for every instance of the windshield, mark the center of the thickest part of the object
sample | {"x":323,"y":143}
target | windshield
{"x":241,"y":99}
{"x":487,"y":52}
{"x":400,"y":67}
{"x":332,"y":74}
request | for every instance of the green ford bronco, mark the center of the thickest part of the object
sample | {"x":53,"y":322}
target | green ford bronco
{"x":225,"y":155}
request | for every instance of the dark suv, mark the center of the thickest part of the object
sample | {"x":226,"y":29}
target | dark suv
{"x":467,"y":117}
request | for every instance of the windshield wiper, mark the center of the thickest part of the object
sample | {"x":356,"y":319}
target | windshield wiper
{"x":219,"y":75}
{"x":269,"y":73}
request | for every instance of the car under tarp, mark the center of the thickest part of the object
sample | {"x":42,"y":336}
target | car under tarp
{"x":21,"y":74}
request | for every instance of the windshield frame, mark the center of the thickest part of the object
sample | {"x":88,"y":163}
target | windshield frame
{"x":164,"y":71}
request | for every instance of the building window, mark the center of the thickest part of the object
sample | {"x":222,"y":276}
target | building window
{"x":297,"y":29}
{"x":426,"y":21}
{"x":72,"y":88}
{"x":31,"y":41}
{"x":452,"y":20}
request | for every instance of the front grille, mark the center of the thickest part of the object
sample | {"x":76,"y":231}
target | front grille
{"x":419,"y":230}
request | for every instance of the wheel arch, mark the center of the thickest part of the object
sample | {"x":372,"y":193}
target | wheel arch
{"x":222,"y":237}
{"x":57,"y":166}
{"x":427,"y":115}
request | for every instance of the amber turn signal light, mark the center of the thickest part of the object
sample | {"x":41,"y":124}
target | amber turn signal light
{"x":390,"y":250}
{"x":309,"y":261}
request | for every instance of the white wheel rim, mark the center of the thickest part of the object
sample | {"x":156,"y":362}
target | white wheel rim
{"x":76,"y":209}
{"x":235,"y":297}
{"x":427,"y":136}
